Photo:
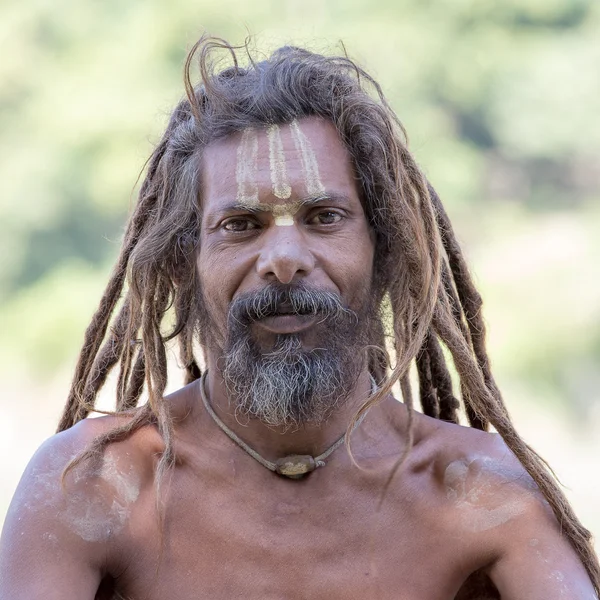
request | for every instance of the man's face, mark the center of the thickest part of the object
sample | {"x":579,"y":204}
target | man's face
{"x":286,"y":256}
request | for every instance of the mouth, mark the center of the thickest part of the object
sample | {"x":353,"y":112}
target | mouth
{"x":287,"y":322}
{"x":285,"y":309}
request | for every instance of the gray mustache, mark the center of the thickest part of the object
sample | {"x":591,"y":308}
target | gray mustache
{"x":281,"y":299}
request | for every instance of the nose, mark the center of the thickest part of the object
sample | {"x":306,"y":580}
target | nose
{"x":285,"y":256}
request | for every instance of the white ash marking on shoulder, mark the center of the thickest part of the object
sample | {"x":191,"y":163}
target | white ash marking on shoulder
{"x":126,"y":485}
{"x":542,"y":557}
{"x":44,"y":491}
{"x":558,"y":575}
{"x":94,"y":503}
{"x":559,"y":578}
{"x":97,"y":514}
{"x":483,"y":503}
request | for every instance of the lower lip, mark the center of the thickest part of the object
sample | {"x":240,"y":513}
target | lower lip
{"x":287,"y":323}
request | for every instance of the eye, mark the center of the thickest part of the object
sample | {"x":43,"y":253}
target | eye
{"x":239,"y":225}
{"x":326,"y":217}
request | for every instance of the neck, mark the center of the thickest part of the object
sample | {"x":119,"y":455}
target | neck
{"x":275,"y":442}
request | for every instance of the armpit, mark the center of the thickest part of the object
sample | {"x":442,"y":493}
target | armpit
{"x":478,"y":587}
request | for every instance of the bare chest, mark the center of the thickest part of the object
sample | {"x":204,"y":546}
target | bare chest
{"x":274,"y":539}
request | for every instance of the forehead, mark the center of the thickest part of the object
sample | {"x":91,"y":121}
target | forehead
{"x":298,"y":145}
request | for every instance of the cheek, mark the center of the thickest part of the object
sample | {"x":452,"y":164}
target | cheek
{"x":221,"y":272}
{"x":351,"y":268}
{"x":366,"y":255}
{"x":363,"y":251}
{"x":213,"y":283}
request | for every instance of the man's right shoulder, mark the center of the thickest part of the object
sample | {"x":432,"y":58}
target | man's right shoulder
{"x":66,"y":525}
{"x":92,"y":500}
{"x":59,"y":450}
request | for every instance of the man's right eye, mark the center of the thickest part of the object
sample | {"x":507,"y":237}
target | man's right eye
{"x":239,"y":224}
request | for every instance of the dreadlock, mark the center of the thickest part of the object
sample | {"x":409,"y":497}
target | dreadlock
{"x":420,"y":275}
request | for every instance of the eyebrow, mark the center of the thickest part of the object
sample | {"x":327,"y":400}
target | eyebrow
{"x":306,"y":201}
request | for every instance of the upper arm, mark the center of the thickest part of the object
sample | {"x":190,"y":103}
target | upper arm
{"x":54,"y":541}
{"x":499,"y":510}
{"x":537,"y":561}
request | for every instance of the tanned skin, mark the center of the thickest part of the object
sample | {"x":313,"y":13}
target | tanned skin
{"x":233,"y":529}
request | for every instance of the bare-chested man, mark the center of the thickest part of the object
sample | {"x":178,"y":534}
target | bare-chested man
{"x":285,"y":232}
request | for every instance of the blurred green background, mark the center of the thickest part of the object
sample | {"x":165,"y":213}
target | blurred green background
{"x":500,"y":100}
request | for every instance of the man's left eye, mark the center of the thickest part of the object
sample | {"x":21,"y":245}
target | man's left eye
{"x":326,"y":217}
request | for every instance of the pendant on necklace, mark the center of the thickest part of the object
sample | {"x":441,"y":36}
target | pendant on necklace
{"x":295,"y":466}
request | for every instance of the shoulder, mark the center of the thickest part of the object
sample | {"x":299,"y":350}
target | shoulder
{"x":131,"y":452}
{"x":482,"y":494}
{"x":130,"y":460}
{"x":70,"y":530}
{"x":480,"y":498}
{"x":90,"y":502}
{"x":490,"y":501}
{"x":479,"y":482}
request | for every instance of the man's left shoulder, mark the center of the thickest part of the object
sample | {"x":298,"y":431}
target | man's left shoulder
{"x":478,"y":477}
{"x":490,"y":506}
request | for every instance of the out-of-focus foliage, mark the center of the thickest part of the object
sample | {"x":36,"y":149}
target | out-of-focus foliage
{"x":500,"y":101}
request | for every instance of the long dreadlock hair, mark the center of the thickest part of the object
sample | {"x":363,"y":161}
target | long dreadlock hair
{"x":419,"y":273}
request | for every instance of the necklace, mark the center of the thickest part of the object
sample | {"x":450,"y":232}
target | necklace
{"x":294,"y":466}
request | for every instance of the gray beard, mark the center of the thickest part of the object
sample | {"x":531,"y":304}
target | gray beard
{"x":290,"y":386}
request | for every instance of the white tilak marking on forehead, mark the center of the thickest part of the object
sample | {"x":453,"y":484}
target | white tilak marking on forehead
{"x":309,"y":160}
{"x":247,"y":168}
{"x":279,"y":180}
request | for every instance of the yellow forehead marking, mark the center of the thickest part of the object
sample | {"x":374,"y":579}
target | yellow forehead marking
{"x":247,"y":168}
{"x":279,"y":180}
{"x":283,"y":214}
{"x":284,"y":221}
{"x":308,"y":159}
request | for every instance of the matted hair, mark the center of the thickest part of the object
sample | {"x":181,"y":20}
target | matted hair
{"x":423,"y":291}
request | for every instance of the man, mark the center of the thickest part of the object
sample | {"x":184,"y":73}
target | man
{"x":284,"y":230}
